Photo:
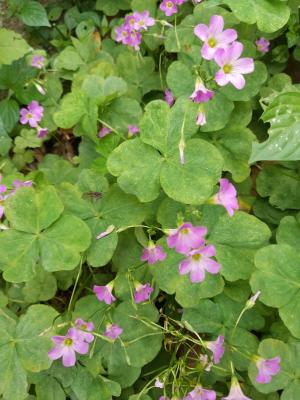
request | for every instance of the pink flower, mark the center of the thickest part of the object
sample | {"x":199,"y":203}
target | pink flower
{"x":1,"y":206}
{"x":104,"y":131}
{"x":267,"y":369}
{"x":169,"y":7}
{"x":133,"y":130}
{"x":142,"y":20}
{"x":153,"y":253}
{"x":201,"y":94}
{"x":262,"y":45}
{"x":158,"y":383}
{"x":113,"y":331}
{"x":3,"y":188}
{"x":217,"y":348}
{"x":186,"y":237}
{"x":199,"y":261}
{"x":235,"y":391}
{"x":142,"y":292}
{"x":233,"y":67}
{"x":67,"y":346}
{"x":42,"y":132}
{"x":201,"y":394}
{"x":32,"y":114}
{"x":83,"y":330}
{"x":169,"y":98}
{"x":201,"y":118}
{"x":38,"y":61}
{"x":104,"y":293}
{"x":123,"y":33}
{"x":227,"y":196}
{"x":214,"y":37}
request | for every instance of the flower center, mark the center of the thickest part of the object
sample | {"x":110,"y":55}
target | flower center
{"x":227,"y":68}
{"x":184,"y":231}
{"x":212,"y":42}
{"x":196,"y":257}
{"x":124,"y":33}
{"x":29,"y":115}
{"x":68,"y":342}
{"x":169,"y":4}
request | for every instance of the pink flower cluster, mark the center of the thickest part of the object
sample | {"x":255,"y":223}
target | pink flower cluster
{"x":4,"y":196}
{"x":169,"y":7}
{"x":130,"y":32}
{"x":221,"y":46}
{"x":32,"y":115}
{"x":226,"y":196}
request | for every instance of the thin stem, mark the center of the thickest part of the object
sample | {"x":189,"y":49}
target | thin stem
{"x":75,"y":286}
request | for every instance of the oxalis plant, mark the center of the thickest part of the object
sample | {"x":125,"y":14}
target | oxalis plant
{"x":149,"y":197}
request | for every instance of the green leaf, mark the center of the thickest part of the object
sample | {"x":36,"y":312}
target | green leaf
{"x":180,"y":87}
{"x":41,"y":288}
{"x":217,"y":111}
{"x":288,"y":231}
{"x":72,"y":109}
{"x":12,"y":46}
{"x":236,"y":239}
{"x":270,"y":15}
{"x":49,"y":389}
{"x":68,"y":59}
{"x":5,"y":140}
{"x":278,"y":279}
{"x":283,"y":114}
{"x":33,"y":14}
{"x":235,"y":144}
{"x":24,"y":348}
{"x":9,"y":111}
{"x":110,"y":8}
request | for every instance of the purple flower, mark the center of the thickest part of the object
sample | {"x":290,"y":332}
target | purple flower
{"x":108,"y":230}
{"x":164,"y":398}
{"x":104,"y":293}
{"x":123,"y":33}
{"x":67,"y":346}
{"x":38,"y":61}
{"x":201,"y":94}
{"x":201,"y":394}
{"x":42,"y":132}
{"x":201,"y":118}
{"x":84,"y":329}
{"x":104,"y":131}
{"x":169,"y":98}
{"x":3,"y":188}
{"x":214,"y":37}
{"x":235,"y":391}
{"x":18,"y":184}
{"x":1,"y":206}
{"x":153,"y":253}
{"x":186,"y":237}
{"x":158,"y":383}
{"x":233,"y":67}
{"x":199,"y":261}
{"x":32,"y":114}
{"x":267,"y":369}
{"x":113,"y":331}
{"x":142,"y":292}
{"x":142,"y":20}
{"x":169,"y":7}
{"x":217,"y":348}
{"x":133,"y":130}
{"x":227,"y":196}
{"x":262,"y":45}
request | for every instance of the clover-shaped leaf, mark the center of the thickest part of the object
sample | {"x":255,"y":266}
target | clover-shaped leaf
{"x":39,"y":231}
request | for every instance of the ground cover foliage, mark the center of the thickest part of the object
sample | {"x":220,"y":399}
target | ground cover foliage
{"x":149,"y":200}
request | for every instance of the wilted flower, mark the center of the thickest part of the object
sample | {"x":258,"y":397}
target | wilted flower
{"x":42,"y":132}
{"x":107,"y":231}
{"x":169,"y":98}
{"x":251,"y":302}
{"x":232,"y":66}
{"x":201,"y":118}
{"x":201,"y":394}
{"x":153,"y":253}
{"x":158,"y":383}
{"x":181,"y":147}
{"x":104,"y":131}
{"x":142,"y":292}
{"x":104,"y":293}
{"x":262,"y":45}
{"x":201,"y":94}
{"x":113,"y":331}
{"x":133,"y":130}
{"x":214,"y":37}
{"x":235,"y":391}
{"x":38,"y":61}
{"x":217,"y":348}
{"x":32,"y":114}
{"x":84,"y":329}
{"x":67,"y":346}
{"x":186,"y":237}
{"x":199,"y":261}
{"x":227,"y":196}
{"x":267,"y":369}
